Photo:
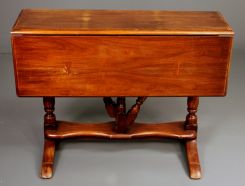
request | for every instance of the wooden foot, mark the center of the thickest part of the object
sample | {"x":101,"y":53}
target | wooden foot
{"x":49,"y":144}
{"x":193,"y":159}
{"x":55,"y":131}
{"x":48,"y":159}
{"x":191,"y":145}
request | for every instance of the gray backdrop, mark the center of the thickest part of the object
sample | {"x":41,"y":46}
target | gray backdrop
{"x":221,"y":120}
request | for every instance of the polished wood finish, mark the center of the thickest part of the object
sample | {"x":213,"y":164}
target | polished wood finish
{"x":172,"y":130}
{"x":193,"y":159}
{"x":49,"y":117}
{"x":191,"y":118}
{"x":191,"y":144}
{"x":121,"y":65}
{"x":133,"y":112}
{"x":121,"y":53}
{"x":48,"y":158}
{"x":120,"y":22}
{"x":49,"y":144}
{"x":124,"y":119}
{"x":121,"y":120}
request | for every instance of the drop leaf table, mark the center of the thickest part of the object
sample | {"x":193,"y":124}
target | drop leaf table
{"x":121,"y":53}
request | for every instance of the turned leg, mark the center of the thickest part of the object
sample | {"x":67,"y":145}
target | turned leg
{"x":121,"y":117}
{"x":49,"y":144}
{"x":191,"y":118}
{"x":133,"y":112}
{"x":124,"y":120}
{"x":191,"y":145}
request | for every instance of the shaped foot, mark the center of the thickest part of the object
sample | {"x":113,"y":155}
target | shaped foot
{"x":48,"y":159}
{"x":193,"y":159}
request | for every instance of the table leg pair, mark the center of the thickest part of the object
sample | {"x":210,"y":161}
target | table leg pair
{"x":124,"y":127}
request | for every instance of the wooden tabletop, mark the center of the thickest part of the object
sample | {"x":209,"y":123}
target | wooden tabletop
{"x":120,"y":22}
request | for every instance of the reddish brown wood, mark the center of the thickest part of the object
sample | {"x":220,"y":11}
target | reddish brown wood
{"x":174,"y":130}
{"x":121,"y":22}
{"x":133,"y":112}
{"x":191,"y":118}
{"x":48,"y":158}
{"x":121,"y":65}
{"x":121,"y":117}
{"x":191,"y":145}
{"x":102,"y":53}
{"x":193,"y":159}
{"x":124,"y":119}
{"x":49,"y":117}
{"x":49,"y":144}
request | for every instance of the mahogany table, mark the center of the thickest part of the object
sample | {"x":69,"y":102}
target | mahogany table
{"x":121,"y":53}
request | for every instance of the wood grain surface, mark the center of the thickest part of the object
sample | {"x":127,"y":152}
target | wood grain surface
{"x":121,"y":65}
{"x":193,"y":159}
{"x":121,"y":22}
{"x":173,"y":130}
{"x":121,"y":53}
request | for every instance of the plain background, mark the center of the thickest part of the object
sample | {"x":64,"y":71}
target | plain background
{"x":221,"y":120}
